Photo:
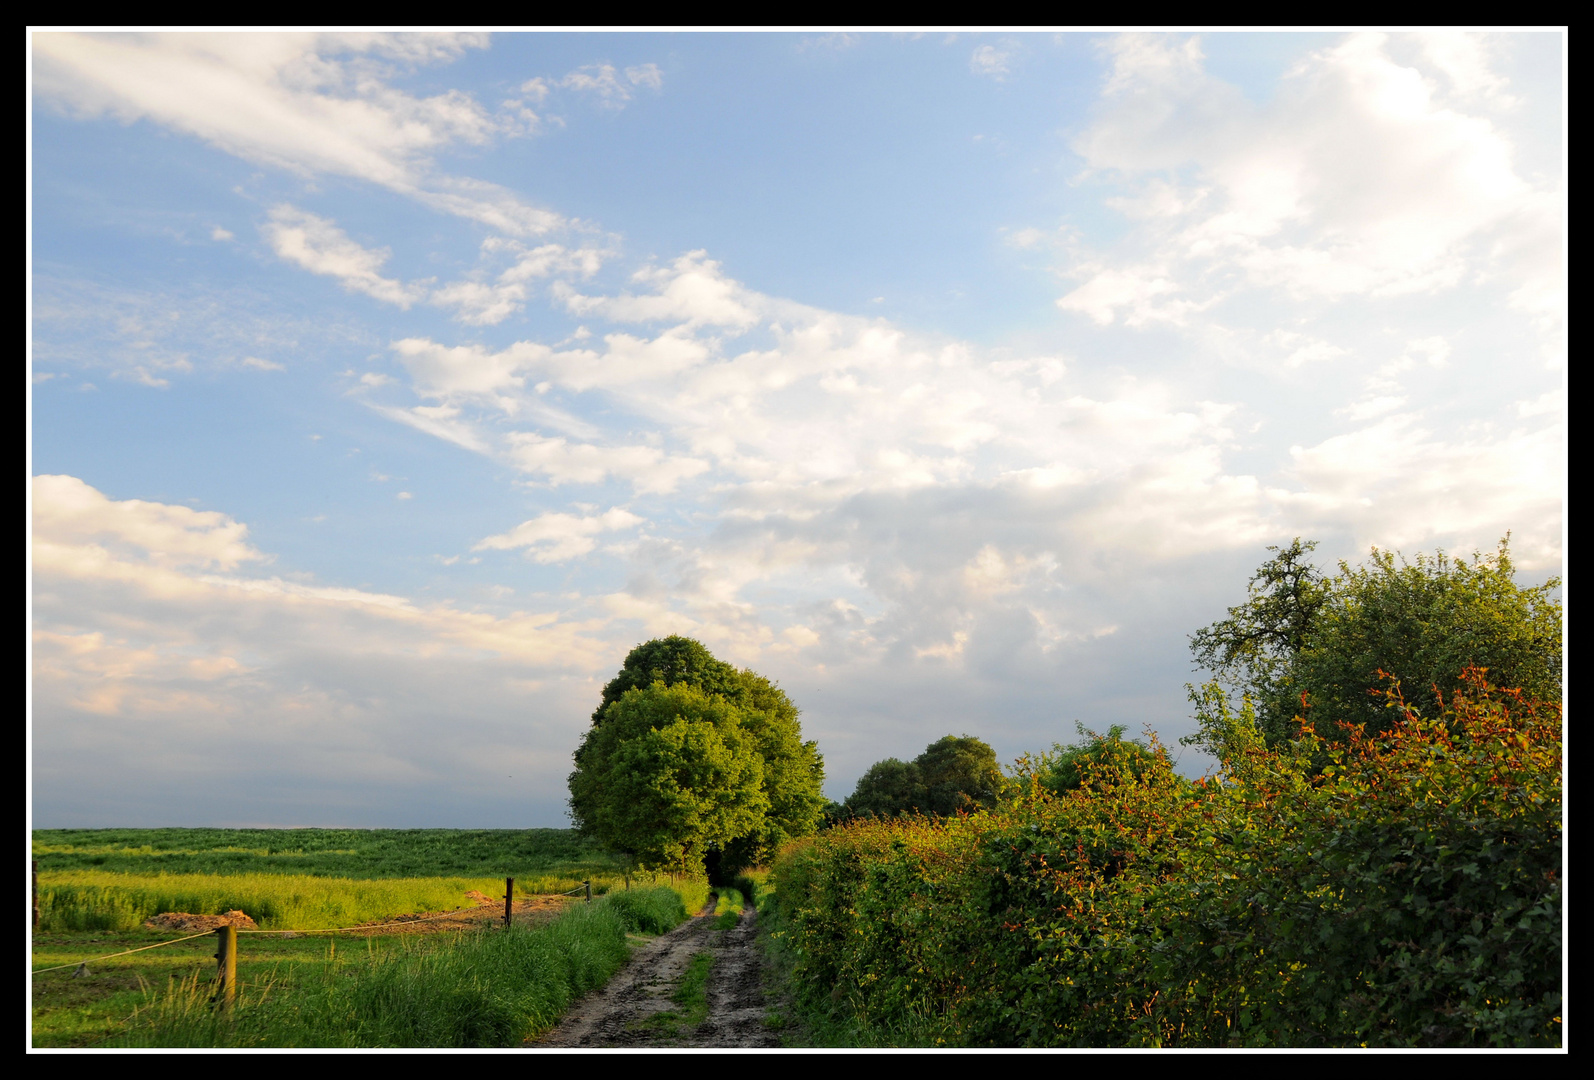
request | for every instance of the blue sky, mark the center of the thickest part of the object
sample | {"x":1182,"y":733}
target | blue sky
{"x":386,"y":389}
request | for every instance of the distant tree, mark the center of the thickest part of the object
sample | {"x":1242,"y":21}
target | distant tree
{"x":960,"y":774}
{"x":791,"y":771}
{"x":889,"y":788}
{"x":1307,"y":643}
{"x":1066,"y":768}
{"x":953,"y":774}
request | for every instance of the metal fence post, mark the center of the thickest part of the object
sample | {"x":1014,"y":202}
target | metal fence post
{"x":226,"y":965}
{"x":35,"y":894}
{"x":509,"y":900}
{"x":588,"y":884}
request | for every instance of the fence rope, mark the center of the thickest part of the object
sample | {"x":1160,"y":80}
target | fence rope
{"x":124,"y":952}
{"x":368,"y":926}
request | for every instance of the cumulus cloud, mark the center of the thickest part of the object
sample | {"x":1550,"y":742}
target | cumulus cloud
{"x":554,"y":538}
{"x":1356,"y":180}
{"x":309,"y":704}
{"x":68,"y":513}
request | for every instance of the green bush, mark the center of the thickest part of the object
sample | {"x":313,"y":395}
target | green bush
{"x":1394,"y":890}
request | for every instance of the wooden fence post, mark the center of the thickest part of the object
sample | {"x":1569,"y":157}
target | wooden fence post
{"x":509,"y":900}
{"x":588,"y":884}
{"x":226,"y":965}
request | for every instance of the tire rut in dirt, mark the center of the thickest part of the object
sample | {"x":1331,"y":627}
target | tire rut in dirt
{"x":617,"y":1015}
{"x":736,"y":1007}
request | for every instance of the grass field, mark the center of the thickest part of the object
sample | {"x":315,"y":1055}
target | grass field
{"x":96,"y":887}
{"x":343,"y":853}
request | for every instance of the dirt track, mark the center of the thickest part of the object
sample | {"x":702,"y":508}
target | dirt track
{"x":616,"y":1015}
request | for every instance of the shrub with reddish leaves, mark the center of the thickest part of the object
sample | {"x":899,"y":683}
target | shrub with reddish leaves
{"x":1394,"y":890}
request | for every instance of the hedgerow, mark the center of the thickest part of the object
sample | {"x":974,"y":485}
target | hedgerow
{"x":1400,"y":889}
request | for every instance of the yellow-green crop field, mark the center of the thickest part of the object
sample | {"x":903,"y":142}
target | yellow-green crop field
{"x":97,"y":887}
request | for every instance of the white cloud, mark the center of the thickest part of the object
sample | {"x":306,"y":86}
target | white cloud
{"x":482,"y":303}
{"x":990,"y":61}
{"x":1463,"y":59}
{"x":612,"y":88}
{"x":255,"y":363}
{"x":1399,"y":485}
{"x":220,"y":234}
{"x":690,"y":290}
{"x":310,"y":103}
{"x":648,"y":469}
{"x":69,"y":514}
{"x":468,"y":371}
{"x":319,"y":246}
{"x":440,"y":421}
{"x":1353,"y":181}
{"x":165,"y":685}
{"x":554,"y":538}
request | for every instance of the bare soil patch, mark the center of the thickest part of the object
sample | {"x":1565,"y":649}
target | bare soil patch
{"x":183,"y":921}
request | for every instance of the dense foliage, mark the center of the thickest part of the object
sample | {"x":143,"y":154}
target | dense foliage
{"x":687,"y":755}
{"x":1394,"y":888}
{"x":1302,"y":636}
{"x":953,"y":775}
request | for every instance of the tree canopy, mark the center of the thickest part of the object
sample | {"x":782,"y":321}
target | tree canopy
{"x":697,"y":793}
{"x":1330,"y":646}
{"x":953,"y":774}
{"x":1069,"y":767}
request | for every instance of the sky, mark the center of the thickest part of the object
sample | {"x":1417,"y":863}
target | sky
{"x":387,"y":389}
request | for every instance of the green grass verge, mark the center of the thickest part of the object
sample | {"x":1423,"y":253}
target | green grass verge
{"x":494,"y":988}
{"x":487,"y":988}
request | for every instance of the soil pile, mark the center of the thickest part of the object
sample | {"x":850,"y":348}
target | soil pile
{"x":193,"y":924}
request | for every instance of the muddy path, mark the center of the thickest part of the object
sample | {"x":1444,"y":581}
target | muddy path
{"x":626,"y":1011}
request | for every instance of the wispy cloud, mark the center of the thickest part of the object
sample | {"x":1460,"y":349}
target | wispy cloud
{"x":309,"y":103}
{"x":319,"y":246}
{"x":611,"y":87}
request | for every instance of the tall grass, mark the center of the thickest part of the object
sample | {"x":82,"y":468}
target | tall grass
{"x":88,"y":900}
{"x":490,"y":988}
{"x":78,"y":900}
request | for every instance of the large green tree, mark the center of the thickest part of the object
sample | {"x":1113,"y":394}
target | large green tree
{"x":954,"y":774}
{"x":669,"y":773}
{"x":790,"y":770}
{"x":1328,"y":647}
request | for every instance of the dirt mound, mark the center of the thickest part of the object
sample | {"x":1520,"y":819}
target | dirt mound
{"x":480,"y":898}
{"x":181,"y":920}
